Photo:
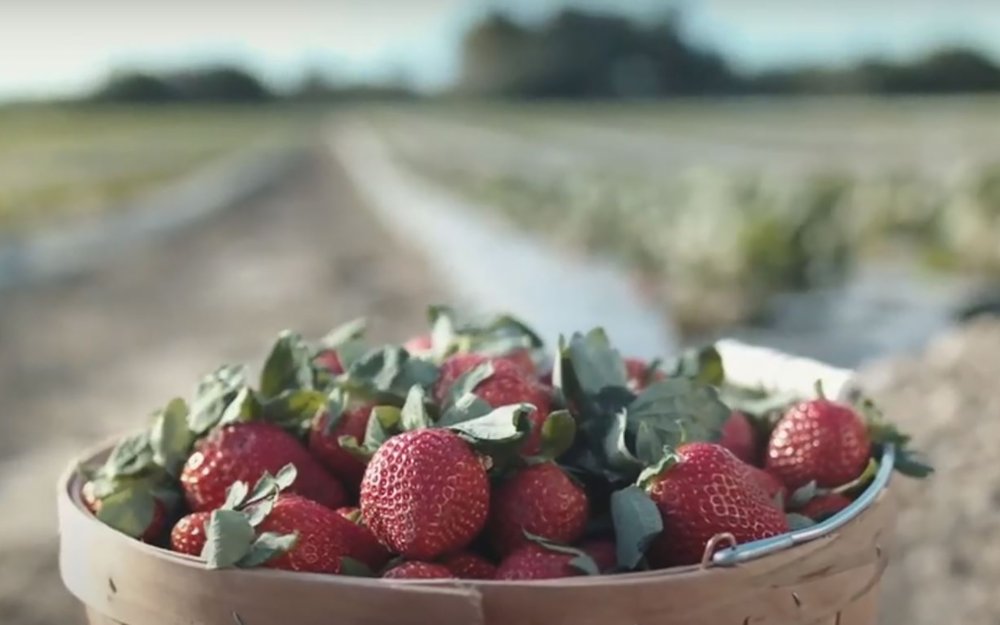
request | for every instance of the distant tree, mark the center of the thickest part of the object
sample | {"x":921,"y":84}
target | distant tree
{"x":220,"y":84}
{"x":136,"y":88}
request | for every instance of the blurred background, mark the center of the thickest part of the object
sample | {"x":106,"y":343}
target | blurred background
{"x":179,"y":181}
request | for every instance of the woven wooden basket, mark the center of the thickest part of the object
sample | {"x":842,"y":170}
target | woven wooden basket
{"x":831,"y":579}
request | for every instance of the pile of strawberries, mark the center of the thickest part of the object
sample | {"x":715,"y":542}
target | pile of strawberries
{"x":470,"y":453}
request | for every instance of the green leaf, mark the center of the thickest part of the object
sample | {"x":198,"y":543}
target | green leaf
{"x":294,"y":409}
{"x":235,"y":495}
{"x":258,"y":511}
{"x":355,"y":568}
{"x":466,"y":408}
{"x":335,"y":408}
{"x":908,"y":462}
{"x":681,"y":407}
{"x":596,"y":365}
{"x":558,"y":434}
{"x":266,"y":547}
{"x":443,"y":331}
{"x":170,"y":438}
{"x":510,"y":326}
{"x":616,"y":452}
{"x":665,"y":463}
{"x":414,"y":414}
{"x":131,"y":456}
{"x":351,"y":445}
{"x":798,"y":521}
{"x":213,"y":394}
{"x":382,"y":425}
{"x":581,"y":560}
{"x":502,"y":425}
{"x":288,"y":367}
{"x":388,"y":373}
{"x":346,"y":332}
{"x":703,"y":365}
{"x":859,"y":483}
{"x":912,"y":464}
{"x":129,"y":510}
{"x":466,"y":384}
{"x":803,"y":495}
{"x":244,"y":407}
{"x":229,"y":538}
{"x":286,"y":476}
{"x":637,"y":522}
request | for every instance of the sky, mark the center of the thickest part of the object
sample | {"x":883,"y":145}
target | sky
{"x":66,"y":47}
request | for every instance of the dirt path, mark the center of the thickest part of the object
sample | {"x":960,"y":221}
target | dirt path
{"x":84,"y":358}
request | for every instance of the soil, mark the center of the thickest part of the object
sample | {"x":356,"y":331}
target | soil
{"x":93,"y":355}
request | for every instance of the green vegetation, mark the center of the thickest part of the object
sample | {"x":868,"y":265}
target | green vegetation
{"x":61,"y":162}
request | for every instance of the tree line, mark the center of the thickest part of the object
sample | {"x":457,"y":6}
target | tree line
{"x":577,"y":54}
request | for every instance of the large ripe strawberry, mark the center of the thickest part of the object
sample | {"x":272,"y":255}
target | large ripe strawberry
{"x":364,"y":546}
{"x":244,"y":452}
{"x":329,"y":359}
{"x":818,"y":440}
{"x":468,"y":565}
{"x":535,"y":562}
{"x":188,"y":535}
{"x":738,"y":436}
{"x":639,"y":375}
{"x":425,"y":493}
{"x":703,"y":490}
{"x":324,"y":443}
{"x":824,"y":506}
{"x":540,"y":499}
{"x":418,"y":570}
{"x":323,"y":537}
{"x":156,"y":526}
{"x":508,"y":385}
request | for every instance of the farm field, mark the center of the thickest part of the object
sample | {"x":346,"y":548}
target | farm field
{"x":727,"y":203}
{"x":61,"y":162}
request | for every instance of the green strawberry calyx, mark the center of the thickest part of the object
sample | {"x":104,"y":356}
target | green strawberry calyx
{"x":581,"y":560}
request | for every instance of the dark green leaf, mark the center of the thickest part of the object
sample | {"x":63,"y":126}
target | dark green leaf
{"x":286,"y":476}
{"x":650,"y":441}
{"x":258,"y":511}
{"x":466,"y":384}
{"x":129,"y":510}
{"x":637,"y":522}
{"x":803,"y":495}
{"x":911,"y":464}
{"x":465,"y":408}
{"x":294,"y":410}
{"x":585,"y":564}
{"x":213,"y":394}
{"x":288,"y":367}
{"x":244,"y":407}
{"x":388,"y":373}
{"x":702,"y":364}
{"x":558,"y":433}
{"x":581,"y":560}
{"x":596,"y":365}
{"x":507,"y":325}
{"x":414,"y":414}
{"x":335,"y":408}
{"x":352,"y":446}
{"x":266,"y":547}
{"x":383,"y":424}
{"x":266,"y":487}
{"x":680,"y":406}
{"x":616,"y":452}
{"x":130,"y":456}
{"x":355,"y":568}
{"x":652,"y":473}
{"x":350,"y":331}
{"x":859,"y":483}
{"x":235,"y":495}
{"x":170,"y":438}
{"x":798,"y":522}
{"x":229,"y":537}
{"x":504,"y":424}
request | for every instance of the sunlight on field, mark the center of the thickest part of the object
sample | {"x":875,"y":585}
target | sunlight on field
{"x":59,"y":162}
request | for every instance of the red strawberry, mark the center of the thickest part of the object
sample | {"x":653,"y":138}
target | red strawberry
{"x":323,"y":536}
{"x":707,"y":492}
{"x":523,"y":359}
{"x":329,"y":360}
{"x":603,"y":552}
{"x":425,"y":493}
{"x":771,"y":485}
{"x":326,"y":446}
{"x":535,"y":562}
{"x":364,"y":546}
{"x":468,"y":565}
{"x":419,"y":345}
{"x":824,"y":506}
{"x":542,"y":500}
{"x":418,"y":570}
{"x":244,"y":452}
{"x":156,"y":525}
{"x":638,"y":375}
{"x":508,"y":385}
{"x":188,"y":535}
{"x":818,"y":440}
{"x":739,"y":437}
